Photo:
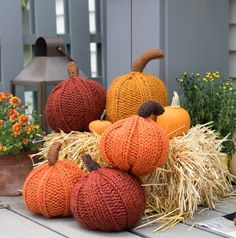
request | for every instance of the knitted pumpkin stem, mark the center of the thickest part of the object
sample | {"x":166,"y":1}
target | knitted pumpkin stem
{"x":73,"y":69}
{"x":89,"y":163}
{"x":140,"y":63}
{"x":53,"y":153}
{"x":149,"y":108}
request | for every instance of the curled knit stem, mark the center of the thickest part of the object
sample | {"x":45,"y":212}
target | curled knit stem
{"x":140,"y":63}
{"x":149,"y":108}
{"x":89,"y":163}
{"x":73,"y":69}
{"x":53,"y":153}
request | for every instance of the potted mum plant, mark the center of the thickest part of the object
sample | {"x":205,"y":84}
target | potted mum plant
{"x":19,"y":133}
{"x":211,"y":97}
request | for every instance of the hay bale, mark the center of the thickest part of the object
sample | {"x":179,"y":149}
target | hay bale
{"x":74,"y":144}
{"x":194,"y":174}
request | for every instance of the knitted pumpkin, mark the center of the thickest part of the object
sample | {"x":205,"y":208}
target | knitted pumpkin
{"x":175,"y":120}
{"x":107,"y":199}
{"x":75,"y":102}
{"x":128,"y":92}
{"x":99,"y":126}
{"x":136,"y":144}
{"x":47,"y":189}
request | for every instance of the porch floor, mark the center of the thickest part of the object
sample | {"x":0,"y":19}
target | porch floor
{"x":17,"y":222}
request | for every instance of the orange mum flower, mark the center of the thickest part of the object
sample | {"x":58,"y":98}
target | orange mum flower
{"x":15,"y":101}
{"x":14,"y":116}
{"x":16,"y":128}
{"x":23,"y":119}
{"x":12,"y":111}
{"x":36,"y":126}
{"x":28,"y":129}
{"x":8,"y":95}
{"x":25,"y":141}
{"x":1,"y":123}
{"x":2,"y":97}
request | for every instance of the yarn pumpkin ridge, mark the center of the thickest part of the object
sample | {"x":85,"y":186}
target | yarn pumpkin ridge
{"x":128,"y":92}
{"x":74,"y":102}
{"x":47,"y":189}
{"x":136,"y":144}
{"x":107,"y":199}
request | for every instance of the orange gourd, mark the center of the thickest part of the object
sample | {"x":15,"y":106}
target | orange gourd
{"x":47,"y":189}
{"x":99,"y":126}
{"x":128,"y":92}
{"x":136,"y":144}
{"x":175,"y":120}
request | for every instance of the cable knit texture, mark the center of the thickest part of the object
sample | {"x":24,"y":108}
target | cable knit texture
{"x":48,"y":188}
{"x":135,"y":144}
{"x":74,"y":103}
{"x":108,"y":200}
{"x":128,"y":92}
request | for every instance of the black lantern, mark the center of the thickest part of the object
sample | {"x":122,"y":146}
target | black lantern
{"x":45,"y":71}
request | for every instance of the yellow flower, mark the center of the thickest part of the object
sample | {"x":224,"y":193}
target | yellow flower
{"x":185,"y":73}
{"x":23,"y":119}
{"x":16,"y":128}
{"x":15,"y":101}
{"x":1,"y":147}
{"x":204,"y":79}
{"x":198,"y":75}
{"x":1,"y":123}
{"x":224,"y":87}
{"x":36,"y":126}
{"x":29,"y":129}
{"x":230,"y":89}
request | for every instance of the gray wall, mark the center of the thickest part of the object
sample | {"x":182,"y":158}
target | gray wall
{"x":193,"y":34}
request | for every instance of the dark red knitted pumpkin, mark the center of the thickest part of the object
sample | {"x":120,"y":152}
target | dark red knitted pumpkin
{"x":107,"y":199}
{"x":75,"y":102}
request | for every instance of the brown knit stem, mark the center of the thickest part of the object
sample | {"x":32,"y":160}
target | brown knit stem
{"x":73,"y":69}
{"x":140,"y":63}
{"x":89,"y":163}
{"x":53,"y":153}
{"x":149,"y":108}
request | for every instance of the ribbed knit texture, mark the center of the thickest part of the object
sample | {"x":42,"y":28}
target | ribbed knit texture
{"x":74,"y":103}
{"x":135,"y":144}
{"x":108,"y":200}
{"x":47,"y":190}
{"x":128,"y":92}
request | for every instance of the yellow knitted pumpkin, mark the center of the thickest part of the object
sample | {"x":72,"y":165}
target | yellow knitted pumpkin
{"x":128,"y":92}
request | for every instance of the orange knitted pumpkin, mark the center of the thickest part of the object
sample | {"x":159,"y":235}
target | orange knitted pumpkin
{"x":136,"y":144}
{"x":175,"y":120}
{"x":128,"y":92}
{"x":47,"y":189}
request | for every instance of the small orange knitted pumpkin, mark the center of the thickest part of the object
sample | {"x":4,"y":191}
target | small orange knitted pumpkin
{"x":175,"y":120}
{"x":47,"y":189}
{"x":128,"y":92}
{"x":136,"y":144}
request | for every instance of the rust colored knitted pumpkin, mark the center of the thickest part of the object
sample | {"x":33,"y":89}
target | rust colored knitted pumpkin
{"x":128,"y":92}
{"x":47,"y":190}
{"x":75,"y":102}
{"x":107,"y":199}
{"x":136,"y":144}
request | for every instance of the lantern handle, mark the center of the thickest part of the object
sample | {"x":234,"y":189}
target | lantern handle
{"x":140,"y":63}
{"x":48,"y":47}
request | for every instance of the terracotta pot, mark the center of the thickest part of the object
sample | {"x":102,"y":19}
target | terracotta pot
{"x":13,"y":172}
